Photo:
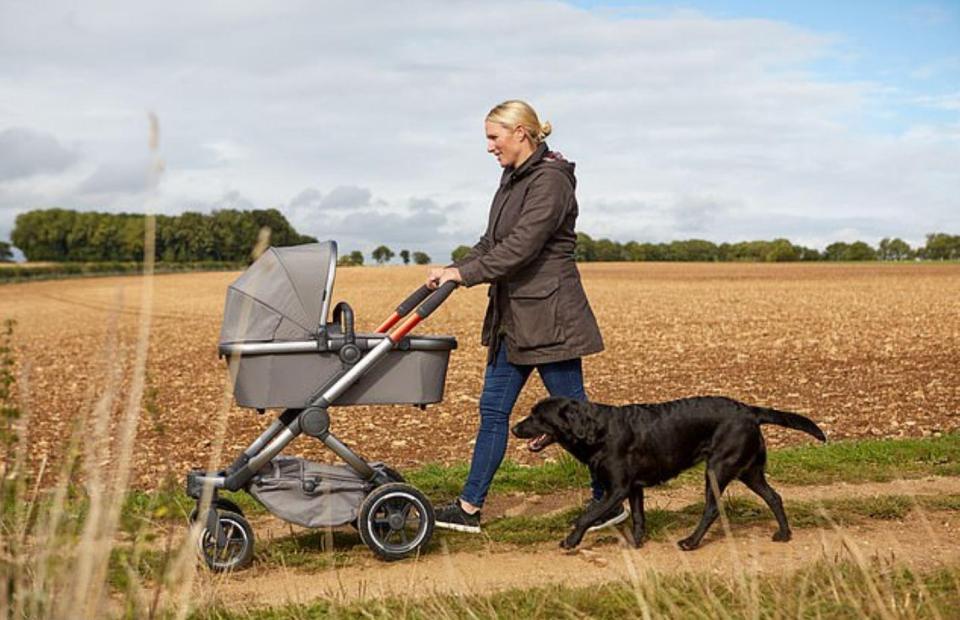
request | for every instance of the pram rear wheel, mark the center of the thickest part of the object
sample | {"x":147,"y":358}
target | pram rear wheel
{"x":396,"y":520}
{"x":394,"y":476}
{"x":237,"y":553}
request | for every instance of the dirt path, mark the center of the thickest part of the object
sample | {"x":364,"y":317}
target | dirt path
{"x":922,"y":540}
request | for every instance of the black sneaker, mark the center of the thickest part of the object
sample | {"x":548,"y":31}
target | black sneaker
{"x":452,"y":516}
{"x":617,"y":514}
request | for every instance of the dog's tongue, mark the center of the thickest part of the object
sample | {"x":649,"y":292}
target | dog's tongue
{"x":534,"y":445}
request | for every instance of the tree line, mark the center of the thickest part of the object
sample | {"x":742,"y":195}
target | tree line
{"x":382,"y":254}
{"x":938,"y":246}
{"x":224,"y":236}
{"x":227,"y":235}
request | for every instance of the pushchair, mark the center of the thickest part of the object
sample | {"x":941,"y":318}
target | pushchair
{"x":282,"y":353}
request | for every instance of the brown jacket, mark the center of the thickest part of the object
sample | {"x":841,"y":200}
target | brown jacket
{"x":526,"y":254}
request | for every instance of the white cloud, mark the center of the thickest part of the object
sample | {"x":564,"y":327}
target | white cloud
{"x":121,"y":176}
{"x":950,"y":101}
{"x":345,"y":197}
{"x":693,"y":126}
{"x":25,"y":153}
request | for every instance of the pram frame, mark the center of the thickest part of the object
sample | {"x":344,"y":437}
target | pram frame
{"x":314,"y":419}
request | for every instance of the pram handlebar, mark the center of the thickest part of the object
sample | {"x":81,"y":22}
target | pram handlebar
{"x":426,"y":309}
{"x":415,"y":299}
{"x":408,"y":304}
{"x":439,"y":296}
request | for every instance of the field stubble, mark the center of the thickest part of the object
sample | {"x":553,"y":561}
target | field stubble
{"x":865,"y":350}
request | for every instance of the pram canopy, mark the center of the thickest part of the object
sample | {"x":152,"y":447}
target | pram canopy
{"x":282,"y":296}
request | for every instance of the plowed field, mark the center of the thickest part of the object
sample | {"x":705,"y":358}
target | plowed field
{"x":865,"y":350}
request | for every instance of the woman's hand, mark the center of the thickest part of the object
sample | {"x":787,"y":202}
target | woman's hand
{"x":433,"y":277}
{"x":439,"y":275}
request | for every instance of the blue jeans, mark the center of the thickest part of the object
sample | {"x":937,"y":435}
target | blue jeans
{"x":501,"y":387}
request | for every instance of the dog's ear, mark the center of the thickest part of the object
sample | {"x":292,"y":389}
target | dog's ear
{"x":582,"y":421}
{"x":547,"y":408}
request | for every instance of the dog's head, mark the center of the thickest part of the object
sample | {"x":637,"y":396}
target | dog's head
{"x":569,"y":422}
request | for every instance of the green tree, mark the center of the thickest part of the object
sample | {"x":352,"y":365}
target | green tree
{"x":584,"y":251}
{"x":939,"y":246}
{"x":42,"y":234}
{"x":894,"y":249}
{"x":63,"y":235}
{"x":234,"y":234}
{"x":6,"y":252}
{"x":460,"y":252}
{"x":281,"y":232}
{"x":692,"y":250}
{"x":421,"y":258}
{"x":608,"y":250}
{"x":382,"y":254}
{"x":357,"y":257}
{"x":859,"y":251}
{"x":657,"y":251}
{"x":635,"y":251}
{"x":131,"y":237}
{"x":781,"y":250}
{"x":743,"y":251}
{"x":836,"y":251}
{"x":405,"y":256}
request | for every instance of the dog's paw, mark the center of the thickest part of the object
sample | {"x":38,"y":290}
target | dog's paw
{"x":569,"y":543}
{"x":781,"y":536}
{"x":639,"y":540}
{"x":688,"y":544}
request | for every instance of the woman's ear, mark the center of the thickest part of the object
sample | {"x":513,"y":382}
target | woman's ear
{"x":520,"y":134}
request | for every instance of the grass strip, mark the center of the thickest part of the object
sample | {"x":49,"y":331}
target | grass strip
{"x":869,"y":460}
{"x":872,"y":460}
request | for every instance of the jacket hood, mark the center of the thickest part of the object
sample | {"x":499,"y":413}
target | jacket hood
{"x":541,"y":157}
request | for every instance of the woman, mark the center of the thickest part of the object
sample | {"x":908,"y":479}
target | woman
{"x":538,"y":315}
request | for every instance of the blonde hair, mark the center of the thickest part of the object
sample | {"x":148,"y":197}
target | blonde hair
{"x":515,"y":113}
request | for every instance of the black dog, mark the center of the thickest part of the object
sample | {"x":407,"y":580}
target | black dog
{"x":635,"y":446}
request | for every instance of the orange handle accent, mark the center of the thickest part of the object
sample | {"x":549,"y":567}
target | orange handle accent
{"x":405,"y":328}
{"x":389,"y":323}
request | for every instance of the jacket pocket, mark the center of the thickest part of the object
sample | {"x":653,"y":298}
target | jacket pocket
{"x":535,"y":306}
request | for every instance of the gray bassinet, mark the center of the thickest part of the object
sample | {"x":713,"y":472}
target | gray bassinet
{"x":275,"y":330}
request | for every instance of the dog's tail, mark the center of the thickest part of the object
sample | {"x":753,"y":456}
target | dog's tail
{"x":790,"y":420}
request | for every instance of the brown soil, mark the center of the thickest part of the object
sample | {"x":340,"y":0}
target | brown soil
{"x":865,"y":350}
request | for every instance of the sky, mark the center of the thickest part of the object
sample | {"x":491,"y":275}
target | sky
{"x":363,"y":122}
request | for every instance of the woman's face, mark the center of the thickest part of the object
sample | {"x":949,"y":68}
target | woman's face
{"x":507,"y":145}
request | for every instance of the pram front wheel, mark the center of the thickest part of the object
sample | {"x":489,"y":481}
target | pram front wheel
{"x":222,"y":504}
{"x":237,"y":550}
{"x":396,"y":520}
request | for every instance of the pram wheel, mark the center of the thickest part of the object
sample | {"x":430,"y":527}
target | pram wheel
{"x":222,"y":504}
{"x":237,"y":553}
{"x":392,"y":473}
{"x":396,"y":520}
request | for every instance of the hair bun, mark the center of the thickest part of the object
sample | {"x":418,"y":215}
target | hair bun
{"x":545,"y":130}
